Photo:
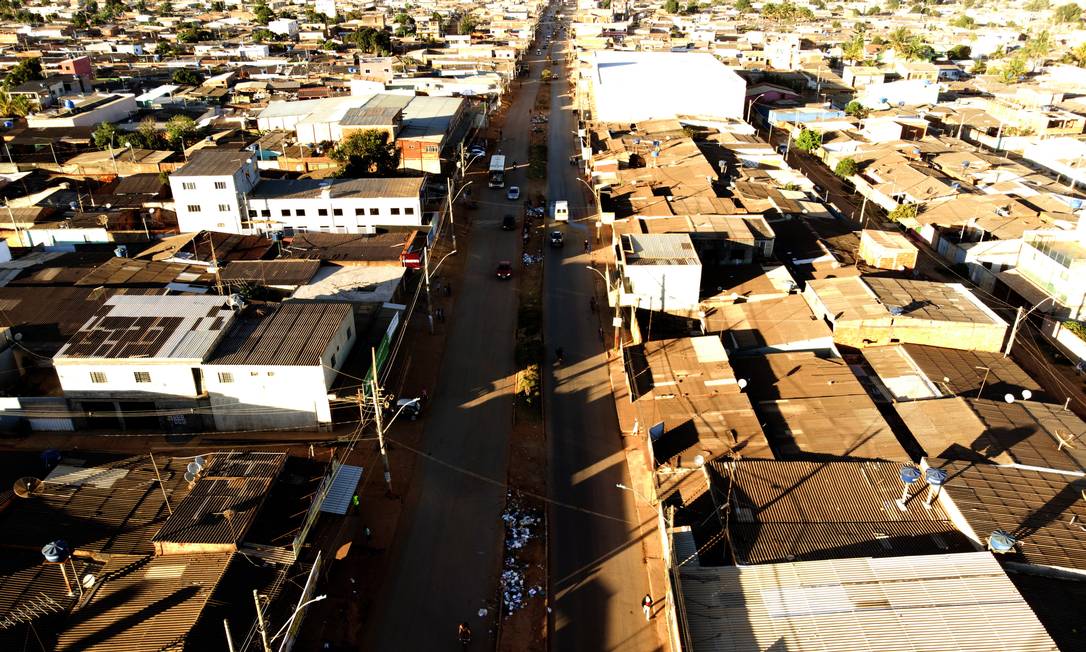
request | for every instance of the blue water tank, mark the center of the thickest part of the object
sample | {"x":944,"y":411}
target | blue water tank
{"x":69,"y":104}
{"x":120,"y":251}
{"x":935,"y":477}
{"x":56,"y":551}
{"x":909,"y":474}
{"x":1001,"y":542}
{"x":8,"y":124}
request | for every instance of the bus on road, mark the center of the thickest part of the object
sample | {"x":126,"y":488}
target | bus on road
{"x":497,"y":171}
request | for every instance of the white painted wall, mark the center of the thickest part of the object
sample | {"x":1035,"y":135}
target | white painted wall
{"x":664,"y":287}
{"x":203,"y":193}
{"x":348,"y":222}
{"x":174,"y":378}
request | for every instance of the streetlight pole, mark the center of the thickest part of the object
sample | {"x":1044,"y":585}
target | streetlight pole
{"x":1019,"y":316}
{"x":380,"y":427}
{"x":750,"y":106}
{"x":599,"y":206}
{"x":616,"y":323}
{"x":635,"y":492}
{"x":452,"y":199}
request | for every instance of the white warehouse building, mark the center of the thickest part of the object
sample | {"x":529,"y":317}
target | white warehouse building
{"x":628,"y":86}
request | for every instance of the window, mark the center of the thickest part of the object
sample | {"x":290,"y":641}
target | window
{"x":142,"y":376}
{"x":324,"y":228}
{"x":224,"y":208}
{"x":410,"y":210}
{"x":337,"y":212}
{"x":333,"y":360}
{"x":430,"y":149}
{"x":220,"y":185}
{"x":299,"y":212}
{"x":254,"y":373}
{"x":226,"y":377}
{"x":271,"y":373}
{"x":265,"y":213}
{"x":285,"y":212}
{"x":322,"y":212}
{"x":374,"y":211}
{"x":98,"y":377}
{"x":395,"y":211}
{"x":288,"y":231}
{"x":188,"y":185}
{"x":359,"y":211}
{"x":252,"y":213}
{"x":193,"y":208}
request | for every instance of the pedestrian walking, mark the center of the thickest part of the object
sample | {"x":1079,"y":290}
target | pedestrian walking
{"x":587,"y":246}
{"x":646,"y":606}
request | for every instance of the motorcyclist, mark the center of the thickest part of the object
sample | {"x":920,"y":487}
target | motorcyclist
{"x":463,"y":633}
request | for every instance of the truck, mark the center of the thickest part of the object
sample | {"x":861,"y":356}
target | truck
{"x":561,"y":211}
{"x":497,"y":171}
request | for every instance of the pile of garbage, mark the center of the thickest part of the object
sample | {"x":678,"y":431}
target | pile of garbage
{"x":521,"y":524}
{"x":532,"y":259}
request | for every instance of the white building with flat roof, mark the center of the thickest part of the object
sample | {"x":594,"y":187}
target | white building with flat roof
{"x":636,"y":86}
{"x":660,"y":272}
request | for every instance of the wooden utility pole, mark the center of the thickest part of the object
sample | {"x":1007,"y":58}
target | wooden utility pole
{"x":165,"y":498}
{"x":452,"y":219}
{"x":229,"y":638}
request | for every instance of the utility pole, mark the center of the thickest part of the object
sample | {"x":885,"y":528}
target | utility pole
{"x":260,"y":622}
{"x":215,"y":263}
{"x":616,"y":323}
{"x":1014,"y":331}
{"x":426,"y":280}
{"x":229,"y":638}
{"x":380,"y":426}
{"x":462,"y":170}
{"x":863,"y":210}
{"x":452,"y":220}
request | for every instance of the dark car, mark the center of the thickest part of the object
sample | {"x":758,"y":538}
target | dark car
{"x":557,"y":240}
{"x":505,"y":270}
{"x":509,"y":223}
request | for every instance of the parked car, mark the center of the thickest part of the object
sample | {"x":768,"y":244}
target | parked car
{"x":409,"y":408}
{"x":504,"y":271}
{"x":557,"y":240}
{"x":513,"y":193}
{"x":509,"y":223}
{"x":476,"y":150}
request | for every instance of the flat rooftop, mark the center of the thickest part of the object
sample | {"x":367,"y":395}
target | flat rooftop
{"x":368,"y":188}
{"x":829,"y":427}
{"x":917,"y":371}
{"x":289,"y":334}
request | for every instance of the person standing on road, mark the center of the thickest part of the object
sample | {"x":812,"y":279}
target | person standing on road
{"x":646,"y":606}
{"x":587,"y":246}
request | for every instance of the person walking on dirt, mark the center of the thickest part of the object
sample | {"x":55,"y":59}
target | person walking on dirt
{"x":646,"y":606}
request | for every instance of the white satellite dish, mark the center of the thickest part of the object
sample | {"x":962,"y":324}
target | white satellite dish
{"x":189,"y":476}
{"x":200,"y":461}
{"x":1026,"y":394}
{"x":193,"y":468}
{"x":742,"y":382}
{"x":89,"y":580}
{"x":1008,"y":398}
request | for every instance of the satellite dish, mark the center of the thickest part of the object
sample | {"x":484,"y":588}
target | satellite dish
{"x":742,"y":382}
{"x":189,"y":477}
{"x":27,"y":487}
{"x":1026,"y":394}
{"x":1008,"y":398}
{"x":89,"y":580}
{"x":193,"y":468}
{"x":201,"y":461}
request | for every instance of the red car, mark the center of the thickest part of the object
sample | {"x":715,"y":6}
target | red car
{"x":505,"y":270}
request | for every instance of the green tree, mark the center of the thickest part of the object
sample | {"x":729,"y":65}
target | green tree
{"x":1012,"y":69}
{"x":845,"y":168}
{"x":140,"y":6}
{"x":179,"y":128}
{"x":105,"y":135}
{"x":1068,"y":13}
{"x":371,"y":41}
{"x":165,"y":8}
{"x":187,"y":77}
{"x":146,"y":136}
{"x":964,"y":21}
{"x":903,"y":212}
{"x":218,"y":5}
{"x":743,"y":6}
{"x":808,"y":140}
{"x":855,"y":109}
{"x":1037,"y":48}
{"x":854,"y":49}
{"x":14,"y":105}
{"x":332,"y":46}
{"x":671,"y":6}
{"x":1077,"y":56}
{"x":22,"y":72}
{"x":262,"y":35}
{"x":262,"y":14}
{"x":366,"y":153}
{"x":193,"y":34}
{"x":959,"y":52}
{"x":908,"y":45}
{"x":1036,"y":5}
{"x":467,"y":24}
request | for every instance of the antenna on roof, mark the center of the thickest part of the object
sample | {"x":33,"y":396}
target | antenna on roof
{"x":909,"y":474}
{"x":27,"y":487}
{"x":936,"y":479}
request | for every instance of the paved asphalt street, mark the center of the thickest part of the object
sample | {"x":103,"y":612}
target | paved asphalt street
{"x":597,"y":576}
{"x":449,"y":552}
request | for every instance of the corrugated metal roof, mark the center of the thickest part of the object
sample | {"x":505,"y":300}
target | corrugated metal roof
{"x":213,"y":162}
{"x":800,"y":374}
{"x":368,"y":188}
{"x":144,"y":604}
{"x":293,"y":334}
{"x":30,"y":589}
{"x":135,"y":271}
{"x":1044,"y":510}
{"x":112,"y":507}
{"x":802,"y":511}
{"x":180,"y":327}
{"x":271,"y":272}
{"x":234,"y":483}
{"x":342,"y":490}
{"x":838,"y":426}
{"x":659,"y":249}
{"x":960,"y":602}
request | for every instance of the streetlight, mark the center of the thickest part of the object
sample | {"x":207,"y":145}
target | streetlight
{"x":295,"y":615}
{"x":452,"y":198}
{"x":635,"y":492}
{"x":1018,"y":319}
{"x":464,"y":166}
{"x":616,"y":323}
{"x":599,"y":206}
{"x":754,"y":101}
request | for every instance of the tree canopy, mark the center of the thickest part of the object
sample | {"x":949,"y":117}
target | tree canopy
{"x":808,"y":140}
{"x":370,"y":40}
{"x":845,"y":168}
{"x":187,"y":77}
{"x":366,"y":153}
{"x":1068,"y":13}
{"x":786,"y":12}
{"x":22,"y":72}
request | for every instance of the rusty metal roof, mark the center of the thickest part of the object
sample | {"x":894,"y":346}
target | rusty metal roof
{"x":801,"y":511}
{"x":144,"y":603}
{"x":1043,"y":509}
{"x":828,"y":427}
{"x":291,"y":334}
{"x":271,"y":272}
{"x":224,"y":501}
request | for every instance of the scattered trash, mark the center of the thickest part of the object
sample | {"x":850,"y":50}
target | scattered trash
{"x":521,"y":524}
{"x":530,"y":259}
{"x":482,"y":612}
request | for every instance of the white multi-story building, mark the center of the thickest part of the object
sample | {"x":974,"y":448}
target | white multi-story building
{"x":222,"y":191}
{"x":209,"y":191}
{"x":660,"y":272}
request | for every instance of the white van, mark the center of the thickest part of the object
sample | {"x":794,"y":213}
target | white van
{"x":561,"y":211}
